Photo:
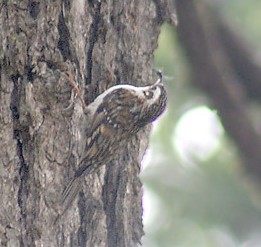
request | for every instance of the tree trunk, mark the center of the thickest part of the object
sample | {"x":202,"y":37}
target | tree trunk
{"x":102,"y":43}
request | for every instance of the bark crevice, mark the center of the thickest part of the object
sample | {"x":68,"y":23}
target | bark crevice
{"x":92,"y":39}
{"x":24,"y":168}
{"x":63,"y":43}
{"x":34,"y":8}
{"x":109,"y":195}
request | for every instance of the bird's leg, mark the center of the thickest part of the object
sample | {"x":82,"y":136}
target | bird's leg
{"x":76,"y":89}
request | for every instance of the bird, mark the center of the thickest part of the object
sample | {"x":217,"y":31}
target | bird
{"x":114,"y":117}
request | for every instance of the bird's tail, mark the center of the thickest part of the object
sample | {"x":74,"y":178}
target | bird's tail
{"x":73,"y":188}
{"x":71,"y":191}
{"x":68,"y":195}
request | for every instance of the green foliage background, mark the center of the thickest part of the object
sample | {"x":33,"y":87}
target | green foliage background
{"x":211,"y":203}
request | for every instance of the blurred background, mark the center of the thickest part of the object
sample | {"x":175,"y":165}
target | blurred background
{"x":202,"y":171}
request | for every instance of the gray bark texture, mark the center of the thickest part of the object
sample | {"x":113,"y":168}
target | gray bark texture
{"x":102,"y":43}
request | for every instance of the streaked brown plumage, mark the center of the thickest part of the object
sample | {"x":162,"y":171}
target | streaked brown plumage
{"x":116,"y":115}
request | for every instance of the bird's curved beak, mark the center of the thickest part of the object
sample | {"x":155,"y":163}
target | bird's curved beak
{"x":159,"y":74}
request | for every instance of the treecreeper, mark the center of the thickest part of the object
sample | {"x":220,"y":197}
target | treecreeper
{"x":114,"y":117}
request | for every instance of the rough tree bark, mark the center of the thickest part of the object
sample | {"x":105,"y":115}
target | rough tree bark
{"x":103,"y":43}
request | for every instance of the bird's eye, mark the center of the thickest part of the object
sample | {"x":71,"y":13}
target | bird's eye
{"x":148,"y":94}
